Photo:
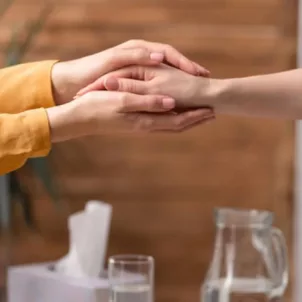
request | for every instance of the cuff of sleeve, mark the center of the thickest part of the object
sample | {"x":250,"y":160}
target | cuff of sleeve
{"x":44,"y":94}
{"x":36,"y":128}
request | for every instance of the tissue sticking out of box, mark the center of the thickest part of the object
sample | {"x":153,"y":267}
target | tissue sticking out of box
{"x":88,"y":235}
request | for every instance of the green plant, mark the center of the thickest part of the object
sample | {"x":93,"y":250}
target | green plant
{"x":22,"y":37}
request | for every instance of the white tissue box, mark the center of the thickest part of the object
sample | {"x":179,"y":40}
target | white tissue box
{"x":40,"y":283}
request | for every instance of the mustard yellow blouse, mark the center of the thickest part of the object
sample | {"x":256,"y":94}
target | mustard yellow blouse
{"x":25,"y":90}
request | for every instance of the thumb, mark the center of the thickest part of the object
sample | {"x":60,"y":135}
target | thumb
{"x":126,"y":85}
{"x":96,"y":85}
{"x":120,"y":57}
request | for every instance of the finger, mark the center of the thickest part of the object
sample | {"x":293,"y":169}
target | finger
{"x":96,"y":85}
{"x":120,"y":57}
{"x":145,"y":103}
{"x":172,"y":56}
{"x":170,"y":122}
{"x":176,"y":59}
{"x":184,"y":120}
{"x":126,"y":85}
{"x":203,"y":121}
{"x":202,"y":71}
{"x":185,"y":109}
{"x":117,"y":58}
{"x":99,"y":84}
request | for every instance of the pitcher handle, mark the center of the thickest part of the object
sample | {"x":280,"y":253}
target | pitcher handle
{"x":280,"y":246}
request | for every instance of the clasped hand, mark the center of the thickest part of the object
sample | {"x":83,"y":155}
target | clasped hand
{"x":135,"y":86}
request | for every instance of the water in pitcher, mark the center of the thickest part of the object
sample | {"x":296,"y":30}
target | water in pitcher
{"x":239,"y":290}
{"x":131,"y":293}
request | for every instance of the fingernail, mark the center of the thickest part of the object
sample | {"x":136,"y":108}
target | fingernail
{"x":75,"y":97}
{"x":168,"y":103}
{"x":204,"y":73}
{"x":156,"y":56}
{"x":111,"y":84}
{"x":208,"y":116}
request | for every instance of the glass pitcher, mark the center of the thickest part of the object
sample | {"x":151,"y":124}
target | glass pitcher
{"x":250,"y":259}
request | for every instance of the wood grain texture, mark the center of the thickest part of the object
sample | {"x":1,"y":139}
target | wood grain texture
{"x":164,"y":187}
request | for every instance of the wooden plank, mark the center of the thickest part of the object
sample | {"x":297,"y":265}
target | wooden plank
{"x":21,"y":13}
{"x":175,"y":3}
{"x":150,"y":13}
{"x":239,"y":44}
{"x":254,"y":3}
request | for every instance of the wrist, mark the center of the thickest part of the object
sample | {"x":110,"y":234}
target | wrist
{"x":216,"y":93}
{"x":62,"y":84}
{"x":66,"y":122}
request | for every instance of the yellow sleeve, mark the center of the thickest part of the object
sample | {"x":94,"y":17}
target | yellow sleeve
{"x":22,"y":135}
{"x":26,"y":86}
{"x":24,"y":126}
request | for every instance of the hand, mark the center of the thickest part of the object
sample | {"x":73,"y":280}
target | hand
{"x":70,"y":77}
{"x":101,"y":112}
{"x":189,"y":91}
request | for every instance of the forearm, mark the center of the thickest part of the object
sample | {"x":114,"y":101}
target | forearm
{"x":273,"y":95}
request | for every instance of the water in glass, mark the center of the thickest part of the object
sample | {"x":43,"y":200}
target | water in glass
{"x":131,"y":293}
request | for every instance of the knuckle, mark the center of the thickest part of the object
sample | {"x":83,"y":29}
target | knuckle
{"x":152,"y":89}
{"x":129,"y":42}
{"x":148,"y":124}
{"x":139,"y":53}
{"x":131,"y":118}
{"x":153,"y":103}
{"x":125,"y":100}
{"x":179,"y":122}
{"x":134,"y":42}
{"x":142,"y":73}
{"x":91,"y":95}
{"x":168,"y":47}
{"x":149,"y":103}
{"x":113,"y":53}
{"x":139,"y":41}
{"x":128,"y":86}
{"x":145,"y":123}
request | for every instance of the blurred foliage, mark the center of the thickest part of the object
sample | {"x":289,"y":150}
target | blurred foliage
{"x":22,"y":37}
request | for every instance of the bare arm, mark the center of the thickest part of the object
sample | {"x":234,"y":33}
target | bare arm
{"x":272,"y":95}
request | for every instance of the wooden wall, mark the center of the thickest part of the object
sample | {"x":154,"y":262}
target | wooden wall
{"x":164,"y":187}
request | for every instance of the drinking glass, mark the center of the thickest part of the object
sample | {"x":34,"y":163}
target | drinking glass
{"x":131,"y":278}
